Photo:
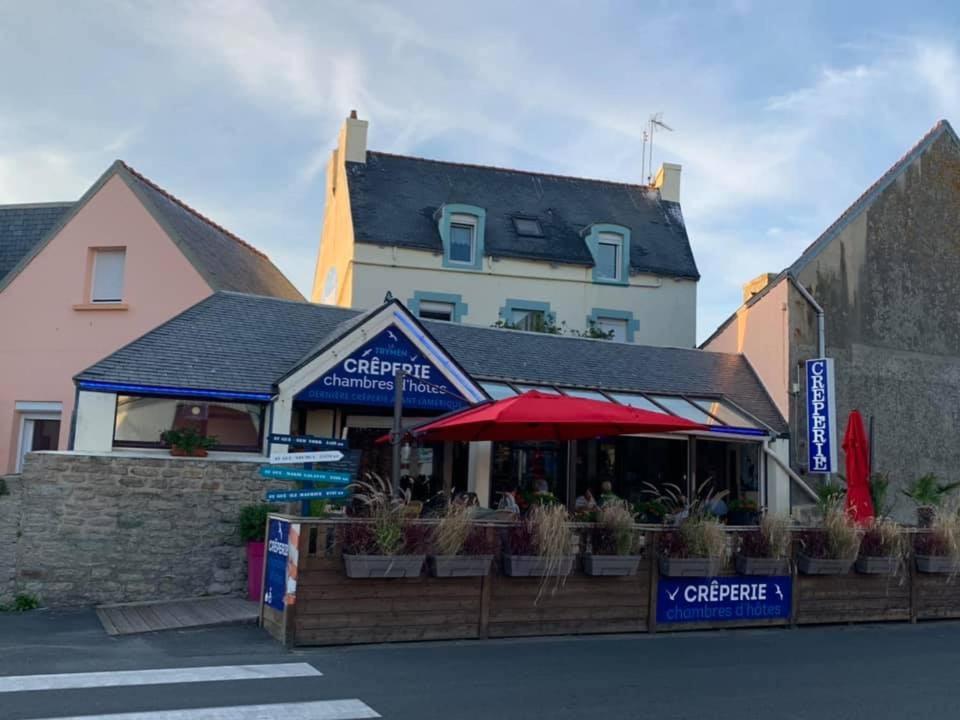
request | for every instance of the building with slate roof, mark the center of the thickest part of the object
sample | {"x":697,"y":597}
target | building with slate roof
{"x":874,"y":292}
{"x":486,"y":245}
{"x":80,"y":279}
{"x":241,"y":367}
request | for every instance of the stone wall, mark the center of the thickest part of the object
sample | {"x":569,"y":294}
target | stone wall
{"x":9,"y":526}
{"x":97,"y":529}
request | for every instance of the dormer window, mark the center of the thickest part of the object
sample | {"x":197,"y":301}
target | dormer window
{"x":463,"y":239}
{"x":609,"y":253}
{"x":610,"y":247}
{"x":461,"y":230}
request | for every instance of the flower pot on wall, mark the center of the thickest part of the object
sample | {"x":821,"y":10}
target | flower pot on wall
{"x":611,"y":565}
{"x":689,"y":567}
{"x":937,"y":564}
{"x":868,"y":565}
{"x":823,"y":566}
{"x":536,"y":566}
{"x":255,"y":550}
{"x":459,"y":565}
{"x":762,"y":566}
{"x":383,"y":566}
{"x":180,"y":452}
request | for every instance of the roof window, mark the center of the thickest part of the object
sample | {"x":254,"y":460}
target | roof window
{"x":527,"y":227}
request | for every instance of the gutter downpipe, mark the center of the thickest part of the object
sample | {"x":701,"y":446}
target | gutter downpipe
{"x":788,"y":470}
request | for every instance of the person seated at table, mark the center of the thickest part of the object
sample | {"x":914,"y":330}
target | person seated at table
{"x":606,"y":493}
{"x":508,"y":500}
{"x":586,"y":502}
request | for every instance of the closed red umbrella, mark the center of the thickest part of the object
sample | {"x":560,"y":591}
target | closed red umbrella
{"x":857,"y":450}
{"x":542,"y":416}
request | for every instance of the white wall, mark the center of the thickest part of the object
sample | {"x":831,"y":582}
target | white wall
{"x":665,"y":307}
{"x":778,"y":482}
{"x":95,"y":415}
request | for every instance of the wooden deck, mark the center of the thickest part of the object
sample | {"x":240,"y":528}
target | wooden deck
{"x":143,"y":617}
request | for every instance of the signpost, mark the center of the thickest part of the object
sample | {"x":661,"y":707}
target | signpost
{"x":821,"y":417}
{"x":310,"y":494}
{"x":305,"y":475}
{"x":318,"y":450}
{"x":306,"y":457}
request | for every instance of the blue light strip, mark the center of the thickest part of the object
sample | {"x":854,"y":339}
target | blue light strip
{"x":439,"y":357}
{"x":94,"y":386}
{"x":728,"y":430}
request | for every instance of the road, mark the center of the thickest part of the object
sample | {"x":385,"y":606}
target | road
{"x":868,"y":672}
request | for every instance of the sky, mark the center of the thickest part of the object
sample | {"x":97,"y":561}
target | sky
{"x":782,"y":113}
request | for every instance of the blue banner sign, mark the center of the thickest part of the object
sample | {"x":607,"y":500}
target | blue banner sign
{"x":735,"y":599}
{"x":821,"y":417}
{"x":312,"y":441}
{"x":366,"y":377}
{"x":300,"y":474}
{"x":294,"y":495}
{"x":278,"y":548}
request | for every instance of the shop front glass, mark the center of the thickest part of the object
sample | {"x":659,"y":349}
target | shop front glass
{"x":528,"y":469}
{"x":733,"y":468}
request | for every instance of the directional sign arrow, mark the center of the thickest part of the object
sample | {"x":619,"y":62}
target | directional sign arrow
{"x":306,"y":457}
{"x":292,"y":495}
{"x":322,"y":476}
{"x":309,"y":441}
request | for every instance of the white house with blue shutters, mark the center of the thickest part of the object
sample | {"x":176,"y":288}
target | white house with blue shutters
{"x":486,"y":245}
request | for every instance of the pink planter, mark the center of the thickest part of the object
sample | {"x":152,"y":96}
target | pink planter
{"x":255,"y":570}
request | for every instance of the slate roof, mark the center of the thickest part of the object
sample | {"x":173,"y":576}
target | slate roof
{"x":234,"y":342}
{"x":393,"y":200}
{"x":224,"y":261}
{"x":848,"y":215}
{"x":22,"y":227}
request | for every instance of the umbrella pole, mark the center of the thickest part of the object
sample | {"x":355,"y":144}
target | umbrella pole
{"x":397,"y":434}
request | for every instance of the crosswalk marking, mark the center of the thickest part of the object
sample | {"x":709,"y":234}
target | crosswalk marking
{"x":317,"y":710}
{"x":65,"y":681}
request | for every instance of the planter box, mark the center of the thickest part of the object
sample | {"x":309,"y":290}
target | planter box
{"x":459,"y":565}
{"x":535,"y":566}
{"x":611,"y":565}
{"x":383,"y":566}
{"x":878,"y":565}
{"x":762,"y":566}
{"x":689,"y":567}
{"x":255,"y":570}
{"x":823,"y":566}
{"x":937,"y":564}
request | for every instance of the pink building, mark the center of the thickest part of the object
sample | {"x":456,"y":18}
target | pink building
{"x":80,"y":280}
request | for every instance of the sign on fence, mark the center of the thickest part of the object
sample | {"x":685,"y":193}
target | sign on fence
{"x":821,"y":417}
{"x":304,"y":475}
{"x":281,"y":552}
{"x":733,"y":599}
{"x":315,"y":494}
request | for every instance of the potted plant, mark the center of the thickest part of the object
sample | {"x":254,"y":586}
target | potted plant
{"x":831,"y":549}
{"x":613,"y":542}
{"x":187,"y":442}
{"x":882,"y":549}
{"x":766,"y":551}
{"x":743,"y":511}
{"x":388,"y":544}
{"x":540,"y":545}
{"x":461,"y":548}
{"x":697,"y":547}
{"x":928,"y":493}
{"x":251,"y":527}
{"x":938,"y":549}
{"x":650,"y":512}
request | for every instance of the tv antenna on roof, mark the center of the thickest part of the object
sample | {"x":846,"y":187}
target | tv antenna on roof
{"x":656,"y":121}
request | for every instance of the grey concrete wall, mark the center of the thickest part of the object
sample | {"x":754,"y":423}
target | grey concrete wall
{"x":9,"y":529}
{"x":890,"y":287}
{"x":98,"y":529}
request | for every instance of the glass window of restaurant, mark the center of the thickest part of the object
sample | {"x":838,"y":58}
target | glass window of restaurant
{"x":728,"y":466}
{"x":140,"y":421}
{"x":631,"y":465}
{"x":530,"y":468}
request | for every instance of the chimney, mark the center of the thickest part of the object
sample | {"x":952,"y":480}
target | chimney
{"x":667,"y":182}
{"x":352,"y":145}
{"x":757,"y":284}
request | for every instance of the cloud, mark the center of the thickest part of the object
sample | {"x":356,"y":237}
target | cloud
{"x":41,"y":174}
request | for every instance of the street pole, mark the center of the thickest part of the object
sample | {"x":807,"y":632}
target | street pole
{"x":397,"y":434}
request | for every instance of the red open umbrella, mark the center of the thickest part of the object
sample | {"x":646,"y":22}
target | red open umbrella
{"x":541,"y":416}
{"x":859,"y":503}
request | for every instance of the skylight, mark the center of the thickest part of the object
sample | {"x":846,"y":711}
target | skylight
{"x":528,"y":227}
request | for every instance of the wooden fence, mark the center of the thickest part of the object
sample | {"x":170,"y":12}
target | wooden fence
{"x":332,"y":609}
